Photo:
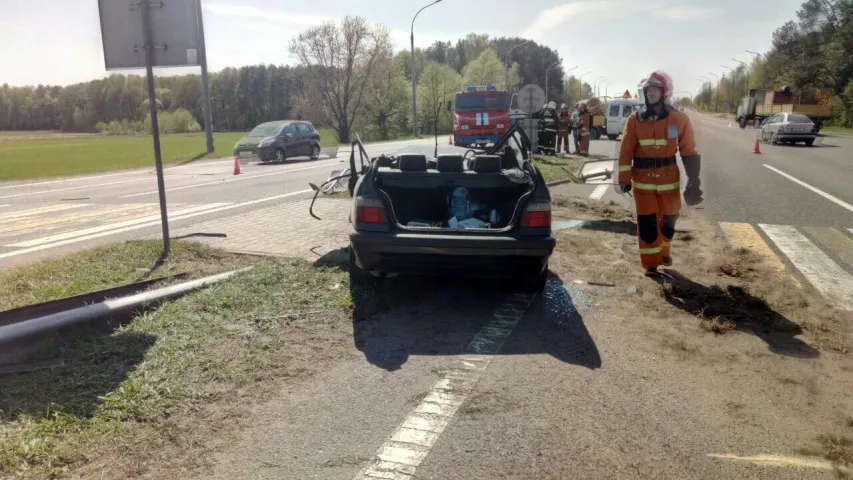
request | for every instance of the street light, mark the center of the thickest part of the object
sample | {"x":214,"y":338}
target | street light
{"x":546,"y":77}
{"x":607,"y":85}
{"x":761,"y":78}
{"x":595,"y":84}
{"x":566,"y":77}
{"x":580,"y":82}
{"x":717,"y":101}
{"x":731,"y":84}
{"x":746,"y":69}
{"x":507,"y":60}
{"x":705,"y":80}
{"x":414,"y":94}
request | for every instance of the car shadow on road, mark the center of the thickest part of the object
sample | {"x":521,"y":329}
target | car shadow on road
{"x":293,"y":160}
{"x":733,"y":304}
{"x":405,"y":316}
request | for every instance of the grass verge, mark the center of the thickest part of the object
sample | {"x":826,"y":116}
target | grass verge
{"x":109,"y":266}
{"x":554,"y":168}
{"x":848,"y":131}
{"x":171,"y":384}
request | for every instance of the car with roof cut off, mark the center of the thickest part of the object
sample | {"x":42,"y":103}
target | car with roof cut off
{"x":484,"y":213}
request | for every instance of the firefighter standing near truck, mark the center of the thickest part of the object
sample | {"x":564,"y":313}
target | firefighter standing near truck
{"x":564,"y":125}
{"x":653,"y":135}
{"x":584,"y":127}
{"x":547,"y":126}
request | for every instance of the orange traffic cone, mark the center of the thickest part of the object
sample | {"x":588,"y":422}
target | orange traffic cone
{"x":757,"y":149}
{"x":236,"y":166}
{"x":450,"y":140}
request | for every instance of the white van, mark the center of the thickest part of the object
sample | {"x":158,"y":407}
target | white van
{"x":618,"y":110}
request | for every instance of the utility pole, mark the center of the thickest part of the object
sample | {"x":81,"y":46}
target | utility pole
{"x":746,"y":68}
{"x":414,"y":75}
{"x":580,"y":85}
{"x":205,"y":85}
{"x":547,"y":70}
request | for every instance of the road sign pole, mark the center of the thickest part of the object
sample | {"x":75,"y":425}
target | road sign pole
{"x":145,"y":8}
{"x":205,"y":86}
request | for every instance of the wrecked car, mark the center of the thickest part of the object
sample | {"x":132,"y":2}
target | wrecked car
{"x":481,"y":213}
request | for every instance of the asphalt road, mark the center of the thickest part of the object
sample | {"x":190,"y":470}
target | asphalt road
{"x":739,"y":186}
{"x":46,"y":217}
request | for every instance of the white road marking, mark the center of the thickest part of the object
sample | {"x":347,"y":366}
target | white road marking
{"x":74,"y":188}
{"x":38,"y":211}
{"x":143,"y":225}
{"x":833,"y":199}
{"x":69,"y":179}
{"x":399,"y":457}
{"x":110,"y":226}
{"x":783,"y":461}
{"x":599,"y":192}
{"x":821,"y":271}
{"x":238,"y":179}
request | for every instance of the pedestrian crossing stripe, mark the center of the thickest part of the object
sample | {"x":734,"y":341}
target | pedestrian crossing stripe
{"x":810,"y":259}
{"x":14,"y":214}
{"x":91,"y":214}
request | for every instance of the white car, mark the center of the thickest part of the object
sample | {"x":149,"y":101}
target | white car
{"x":788,"y":128}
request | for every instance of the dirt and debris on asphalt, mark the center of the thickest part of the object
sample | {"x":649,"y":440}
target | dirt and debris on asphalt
{"x":720,"y":369}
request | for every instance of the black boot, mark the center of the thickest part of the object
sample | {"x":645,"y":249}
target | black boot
{"x":667,"y":261}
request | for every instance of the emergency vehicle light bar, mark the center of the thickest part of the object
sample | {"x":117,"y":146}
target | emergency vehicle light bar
{"x":481,"y":88}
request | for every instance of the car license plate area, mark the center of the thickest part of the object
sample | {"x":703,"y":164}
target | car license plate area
{"x":246,"y":153}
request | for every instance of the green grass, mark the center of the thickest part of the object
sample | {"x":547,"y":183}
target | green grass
{"x":848,"y":131}
{"x":552,"y":168}
{"x":162,"y":392}
{"x":25,"y":155}
{"x":106,"y":267}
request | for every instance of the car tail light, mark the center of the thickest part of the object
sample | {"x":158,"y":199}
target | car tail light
{"x":369,"y":210}
{"x":537,"y":215}
{"x":814,"y":129}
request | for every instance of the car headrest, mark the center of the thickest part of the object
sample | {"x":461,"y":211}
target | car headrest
{"x":413,"y":162}
{"x":384,"y":161}
{"x":449,"y":163}
{"x":487,"y":163}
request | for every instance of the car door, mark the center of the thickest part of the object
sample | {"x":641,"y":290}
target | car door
{"x":291,"y":140}
{"x":613,"y":118}
{"x":770,"y":126}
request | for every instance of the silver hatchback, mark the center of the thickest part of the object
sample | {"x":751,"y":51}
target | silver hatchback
{"x":788,"y":128}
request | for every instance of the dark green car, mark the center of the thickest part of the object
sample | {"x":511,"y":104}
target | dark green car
{"x":280,"y":140}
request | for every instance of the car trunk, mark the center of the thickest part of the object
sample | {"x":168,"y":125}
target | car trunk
{"x":423,"y":199}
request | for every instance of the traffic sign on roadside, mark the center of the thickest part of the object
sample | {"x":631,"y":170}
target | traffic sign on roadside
{"x":531,"y":98}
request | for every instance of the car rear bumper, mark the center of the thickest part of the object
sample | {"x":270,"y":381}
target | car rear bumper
{"x":245,"y":152}
{"x":467,"y":255}
{"x":796,"y":136}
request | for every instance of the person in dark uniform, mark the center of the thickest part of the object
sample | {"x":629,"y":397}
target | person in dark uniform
{"x":547,"y":127}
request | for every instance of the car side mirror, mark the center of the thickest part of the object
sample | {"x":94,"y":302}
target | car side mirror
{"x":449,"y":105}
{"x":313,"y":187}
{"x":288,"y":136}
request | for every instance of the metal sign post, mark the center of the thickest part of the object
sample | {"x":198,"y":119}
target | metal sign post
{"x":145,"y":7}
{"x":156,"y":33}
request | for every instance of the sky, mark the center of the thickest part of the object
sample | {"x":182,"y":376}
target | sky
{"x":59,"y":41}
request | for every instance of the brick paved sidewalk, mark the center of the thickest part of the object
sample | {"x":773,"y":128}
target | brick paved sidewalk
{"x":283,"y":230}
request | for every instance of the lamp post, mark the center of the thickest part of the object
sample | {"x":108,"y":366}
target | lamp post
{"x":506,"y":61}
{"x":580,"y":82}
{"x":595,"y":85}
{"x":761,"y":78}
{"x":705,"y":80}
{"x":746,"y":68}
{"x":414,"y":82}
{"x":731,"y":84}
{"x":607,"y":85}
{"x":717,"y":101}
{"x":547,"y":70}
{"x":569,"y":93}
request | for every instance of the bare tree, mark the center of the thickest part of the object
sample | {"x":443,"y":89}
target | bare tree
{"x":339,"y":59}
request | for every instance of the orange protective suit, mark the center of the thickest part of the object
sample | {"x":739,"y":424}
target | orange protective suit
{"x":647,"y":161}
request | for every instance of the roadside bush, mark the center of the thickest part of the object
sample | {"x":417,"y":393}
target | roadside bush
{"x":178,"y":121}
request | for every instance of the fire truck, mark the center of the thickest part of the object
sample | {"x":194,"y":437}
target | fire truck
{"x":481,"y":116}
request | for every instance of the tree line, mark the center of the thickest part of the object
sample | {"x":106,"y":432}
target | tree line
{"x":809,"y":55}
{"x":347,"y":77}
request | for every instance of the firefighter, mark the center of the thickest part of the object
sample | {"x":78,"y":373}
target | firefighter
{"x":547,"y":126}
{"x":564,"y":125}
{"x":652,"y":137}
{"x":584,"y":127}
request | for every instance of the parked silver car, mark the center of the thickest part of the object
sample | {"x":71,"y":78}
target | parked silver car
{"x":788,"y":128}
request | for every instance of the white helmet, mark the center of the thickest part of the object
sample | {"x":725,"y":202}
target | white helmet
{"x":552,"y":105}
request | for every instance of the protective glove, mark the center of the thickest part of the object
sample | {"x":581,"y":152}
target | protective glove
{"x":693,"y":194}
{"x":625,"y":187}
